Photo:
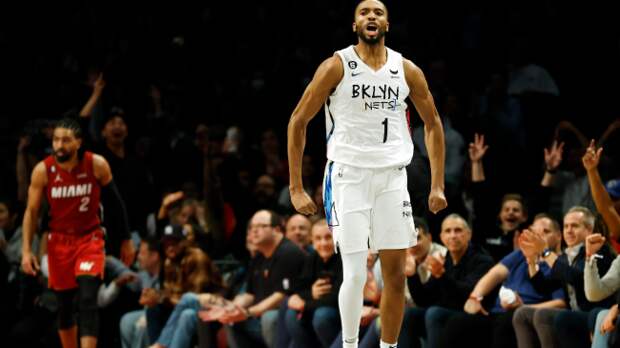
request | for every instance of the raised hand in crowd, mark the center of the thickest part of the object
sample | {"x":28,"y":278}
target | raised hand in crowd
{"x":603,"y":201}
{"x":594,"y":243}
{"x":477,"y":150}
{"x":553,"y":159}
{"x":592,"y":156}
{"x":168,"y":200}
{"x":98,"y":85}
{"x":553,"y":156}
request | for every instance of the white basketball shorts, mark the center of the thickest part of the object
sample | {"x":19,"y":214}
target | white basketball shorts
{"x":368,"y":208}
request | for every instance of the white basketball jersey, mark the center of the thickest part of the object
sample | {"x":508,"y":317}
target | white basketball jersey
{"x":366,"y":119}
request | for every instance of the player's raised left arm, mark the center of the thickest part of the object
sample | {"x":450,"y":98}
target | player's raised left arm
{"x":422,"y":99}
{"x":115,"y":211}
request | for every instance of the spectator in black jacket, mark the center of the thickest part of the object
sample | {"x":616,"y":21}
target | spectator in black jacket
{"x":554,"y":327}
{"x":313,"y":310}
{"x":453,"y":277}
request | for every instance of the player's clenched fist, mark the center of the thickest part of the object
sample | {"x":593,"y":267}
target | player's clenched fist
{"x":303,"y":203}
{"x":437,"y":201}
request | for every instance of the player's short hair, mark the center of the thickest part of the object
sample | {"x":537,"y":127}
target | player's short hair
{"x":359,"y":2}
{"x":71,"y":124}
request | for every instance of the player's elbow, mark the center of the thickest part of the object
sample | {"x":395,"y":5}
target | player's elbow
{"x":296,"y":124}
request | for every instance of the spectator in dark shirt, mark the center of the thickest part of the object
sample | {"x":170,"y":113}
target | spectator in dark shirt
{"x":312,"y":318}
{"x":473,"y":327}
{"x":453,"y":277}
{"x":270,"y":278}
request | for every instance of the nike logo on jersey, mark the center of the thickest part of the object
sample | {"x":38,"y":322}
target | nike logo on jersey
{"x":394,"y":72}
{"x":353,"y":74}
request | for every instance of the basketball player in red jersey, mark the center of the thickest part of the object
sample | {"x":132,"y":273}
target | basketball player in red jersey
{"x":73,"y":186}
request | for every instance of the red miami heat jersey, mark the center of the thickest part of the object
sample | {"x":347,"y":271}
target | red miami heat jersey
{"x":73,"y":196}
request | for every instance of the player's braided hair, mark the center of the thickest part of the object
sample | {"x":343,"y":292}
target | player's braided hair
{"x":72,"y":124}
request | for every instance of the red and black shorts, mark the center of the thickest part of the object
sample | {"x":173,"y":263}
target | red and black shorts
{"x":70,"y":256}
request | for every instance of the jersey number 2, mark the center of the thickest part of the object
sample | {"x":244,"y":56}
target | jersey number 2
{"x":84,"y":204}
{"x":385,"y":125}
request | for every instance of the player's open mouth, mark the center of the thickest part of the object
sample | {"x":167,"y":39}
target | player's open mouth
{"x":372,"y":28}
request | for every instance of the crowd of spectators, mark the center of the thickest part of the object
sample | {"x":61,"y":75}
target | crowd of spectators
{"x":192,"y":120}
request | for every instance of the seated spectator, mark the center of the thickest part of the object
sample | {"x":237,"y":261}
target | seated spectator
{"x":561,"y":327}
{"x":186,"y":269}
{"x":473,"y":327}
{"x":312,"y":317}
{"x":298,"y":231}
{"x":452,"y":279}
{"x":270,"y":276}
{"x":211,"y":307}
{"x":133,"y":324}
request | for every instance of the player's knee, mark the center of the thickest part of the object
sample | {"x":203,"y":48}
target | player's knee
{"x":87,"y":301}
{"x":354,"y":278}
{"x":87,"y":293}
{"x":66,"y":318}
{"x":395,"y":281}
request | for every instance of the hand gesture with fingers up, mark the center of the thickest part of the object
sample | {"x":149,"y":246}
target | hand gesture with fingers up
{"x":477,"y":149}
{"x":553,"y":156}
{"x":592,"y":156}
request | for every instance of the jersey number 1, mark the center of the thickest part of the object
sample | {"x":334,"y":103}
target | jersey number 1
{"x":385,"y":125}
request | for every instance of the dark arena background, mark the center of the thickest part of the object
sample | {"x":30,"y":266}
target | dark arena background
{"x":190,"y":105}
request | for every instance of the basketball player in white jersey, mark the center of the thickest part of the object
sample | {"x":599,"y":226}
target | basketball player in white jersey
{"x":365,"y":194}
